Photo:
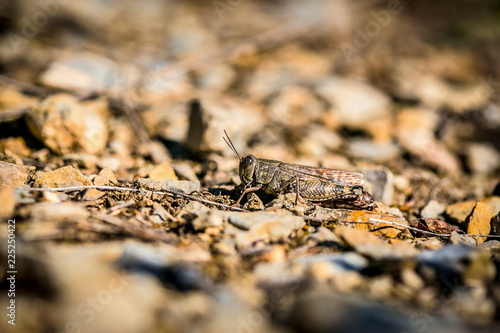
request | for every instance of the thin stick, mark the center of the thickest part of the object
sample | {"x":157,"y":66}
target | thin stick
{"x":130,"y":189}
{"x":372,"y":221}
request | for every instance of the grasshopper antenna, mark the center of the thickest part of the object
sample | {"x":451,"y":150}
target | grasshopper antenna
{"x":230,"y":144}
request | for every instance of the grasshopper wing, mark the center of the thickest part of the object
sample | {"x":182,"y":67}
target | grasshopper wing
{"x":345,"y":178}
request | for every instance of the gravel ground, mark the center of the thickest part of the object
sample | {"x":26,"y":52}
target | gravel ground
{"x":118,"y":190}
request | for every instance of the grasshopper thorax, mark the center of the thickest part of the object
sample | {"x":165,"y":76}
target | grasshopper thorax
{"x":248,"y":164}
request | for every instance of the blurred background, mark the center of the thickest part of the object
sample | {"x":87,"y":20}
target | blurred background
{"x":404,"y":89}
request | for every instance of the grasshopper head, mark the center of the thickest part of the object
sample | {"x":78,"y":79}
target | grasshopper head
{"x":247,"y":169}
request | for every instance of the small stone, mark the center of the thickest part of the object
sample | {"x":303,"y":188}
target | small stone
{"x":415,"y":131}
{"x":9,"y":157}
{"x":323,"y":235}
{"x":66,"y":125}
{"x":430,"y":244}
{"x":340,"y":262}
{"x":382,"y":183}
{"x":372,"y":246}
{"x":185,"y":186}
{"x":479,"y":221}
{"x":86,"y":161}
{"x":156,"y":150}
{"x":160,"y":212}
{"x":459,"y":211}
{"x":207,"y":219}
{"x":412,"y":279}
{"x":354,"y":102}
{"x":269,"y":253}
{"x":387,"y":225}
{"x":253,"y":203}
{"x":58,"y":212}
{"x":433,"y":209}
{"x":482,"y":158}
{"x":295,"y":106}
{"x":184,"y":170}
{"x":12,"y":98}
{"x":163,"y":171}
{"x":8,"y":201}
{"x":216,"y":78}
{"x":63,"y":177}
{"x":225,"y":247}
{"x":53,"y":196}
{"x":318,"y":141}
{"x":263,"y":226}
{"x":15,"y":145}
{"x":105,"y":177}
{"x":84,"y":72}
{"x":371,"y":150}
{"x":492,"y":246}
{"x":495,"y":224}
{"x":480,"y":268}
{"x":493,"y":202}
{"x":208,"y":120}
{"x":457,"y":238}
{"x":13,"y":175}
{"x":111,"y":162}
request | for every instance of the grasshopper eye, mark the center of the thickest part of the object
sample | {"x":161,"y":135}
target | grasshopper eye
{"x":247,"y":168}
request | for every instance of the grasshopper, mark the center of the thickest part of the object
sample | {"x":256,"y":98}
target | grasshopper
{"x":331,"y":188}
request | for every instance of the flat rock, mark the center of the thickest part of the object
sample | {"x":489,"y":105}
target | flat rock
{"x":381,"y":180}
{"x":67,"y":125}
{"x":84,"y":72}
{"x":482,"y":158}
{"x":459,"y":211}
{"x":58,"y":212}
{"x":479,"y":222}
{"x":208,"y":120}
{"x":16,"y":145}
{"x":13,"y":175}
{"x":63,"y":177}
{"x":82,"y":160}
{"x":184,"y":170}
{"x":433,"y":209}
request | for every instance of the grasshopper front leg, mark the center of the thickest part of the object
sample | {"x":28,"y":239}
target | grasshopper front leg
{"x":247,"y":190}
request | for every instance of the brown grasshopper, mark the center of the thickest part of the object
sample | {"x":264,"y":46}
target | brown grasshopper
{"x":331,"y":188}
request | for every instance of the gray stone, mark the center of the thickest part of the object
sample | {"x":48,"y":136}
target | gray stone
{"x":263,"y":226}
{"x":185,"y":186}
{"x":58,"y":212}
{"x":482,"y":158}
{"x":375,"y":151}
{"x":381,"y":180}
{"x":433,"y":209}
